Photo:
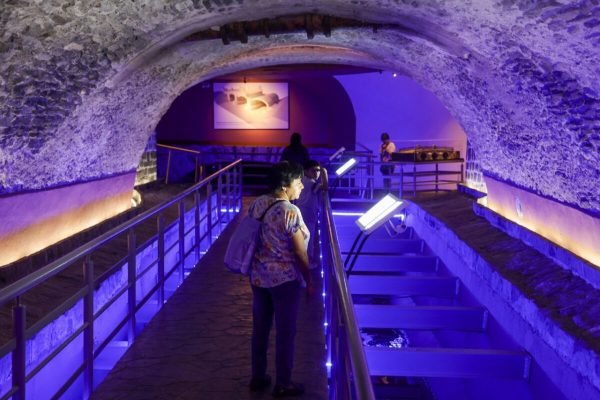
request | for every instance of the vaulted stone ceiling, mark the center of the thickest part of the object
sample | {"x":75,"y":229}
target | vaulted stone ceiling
{"x":83,"y":84}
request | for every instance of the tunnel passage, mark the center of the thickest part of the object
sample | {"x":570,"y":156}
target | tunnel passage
{"x":82,"y":87}
{"x":520,"y":78}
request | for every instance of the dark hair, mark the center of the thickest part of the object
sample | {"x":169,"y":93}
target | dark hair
{"x":311,"y":164}
{"x":282,"y":174}
{"x":296,"y":139}
{"x":385,"y":136}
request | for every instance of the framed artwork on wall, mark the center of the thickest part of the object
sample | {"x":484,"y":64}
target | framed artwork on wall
{"x":255,"y":105}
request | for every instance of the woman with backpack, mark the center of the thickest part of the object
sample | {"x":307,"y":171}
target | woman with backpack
{"x":278,"y":273}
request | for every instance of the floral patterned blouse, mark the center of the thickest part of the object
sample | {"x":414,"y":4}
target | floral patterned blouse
{"x":275,"y":261}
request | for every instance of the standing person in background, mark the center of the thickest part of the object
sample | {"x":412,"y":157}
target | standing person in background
{"x":295,"y":152}
{"x":278,"y":273}
{"x":385,"y":154}
{"x":315,"y":182}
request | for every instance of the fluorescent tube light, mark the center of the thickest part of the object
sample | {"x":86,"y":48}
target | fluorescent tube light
{"x":380,"y":213}
{"x":337,"y":153}
{"x":346,"y":167}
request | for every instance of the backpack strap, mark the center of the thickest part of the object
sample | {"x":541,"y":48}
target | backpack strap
{"x":263,"y":216}
{"x":268,"y":208}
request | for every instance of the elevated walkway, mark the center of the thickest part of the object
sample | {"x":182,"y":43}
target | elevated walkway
{"x":198,"y":345}
{"x":454,"y":284}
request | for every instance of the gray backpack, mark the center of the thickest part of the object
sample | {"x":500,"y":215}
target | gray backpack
{"x":243,"y":243}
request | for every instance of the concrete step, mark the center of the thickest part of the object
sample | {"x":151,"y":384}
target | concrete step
{"x":387,"y":263}
{"x":421,"y":317}
{"x":388,"y":246}
{"x":446,"y":287}
{"x":448,"y":363}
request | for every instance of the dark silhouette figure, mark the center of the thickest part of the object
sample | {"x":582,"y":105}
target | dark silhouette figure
{"x":295,"y":152}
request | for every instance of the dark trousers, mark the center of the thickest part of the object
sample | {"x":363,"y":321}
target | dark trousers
{"x":282,"y":302}
{"x":387,"y":170}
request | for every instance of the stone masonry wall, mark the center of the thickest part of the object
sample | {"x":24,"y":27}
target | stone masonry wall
{"x":146,"y":170}
{"x":83,"y":84}
{"x":547,"y":310}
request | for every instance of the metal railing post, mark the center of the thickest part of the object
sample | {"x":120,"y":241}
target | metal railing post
{"x":131,"y":281}
{"x":238,"y":185}
{"x":88,"y":333}
{"x":437,"y":172}
{"x":18,"y":355}
{"x":160,"y":222}
{"x":209,"y":213}
{"x":181,"y":240}
{"x":414,"y":179}
{"x":197,"y":224}
{"x":233,"y":190}
{"x":371,"y":179}
{"x":401,"y":180}
{"x":219,"y":198}
{"x":241,"y":184}
{"x":228,"y":192}
{"x":168,"y":167}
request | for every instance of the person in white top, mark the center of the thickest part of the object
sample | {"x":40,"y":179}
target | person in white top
{"x":385,"y":153}
{"x":315,"y":182}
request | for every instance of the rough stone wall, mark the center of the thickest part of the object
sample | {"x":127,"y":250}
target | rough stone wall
{"x":83,"y":84}
{"x":473,"y":176}
{"x":546,"y":309}
{"x":146,"y":170}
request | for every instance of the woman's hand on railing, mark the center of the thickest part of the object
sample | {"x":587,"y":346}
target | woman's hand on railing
{"x":324,"y":178}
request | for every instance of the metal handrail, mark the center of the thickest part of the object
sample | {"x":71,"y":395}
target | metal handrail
{"x":227,"y":193}
{"x":184,"y":150}
{"x":407,"y":177}
{"x":358,"y":144}
{"x":166,"y":146}
{"x":19,"y":287}
{"x":363,"y":389}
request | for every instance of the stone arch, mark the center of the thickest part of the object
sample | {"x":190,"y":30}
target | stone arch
{"x":506,"y":119}
{"x":511,"y":93}
{"x":82,"y":84}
